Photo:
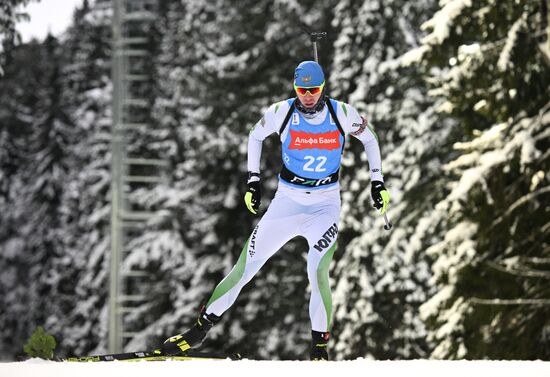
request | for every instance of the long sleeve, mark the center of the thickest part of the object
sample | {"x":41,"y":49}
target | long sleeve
{"x":375,"y":160}
{"x":267,"y":125}
{"x":359,"y":127}
{"x":254,"y":154}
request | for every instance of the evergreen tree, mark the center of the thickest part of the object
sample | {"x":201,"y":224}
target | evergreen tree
{"x":37,"y":135}
{"x":383,"y":277}
{"x":491,"y":267}
{"x":17,"y":97}
{"x":48,"y":150}
{"x":86,"y":200}
{"x":55,"y":131}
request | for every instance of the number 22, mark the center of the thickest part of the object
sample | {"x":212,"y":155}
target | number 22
{"x":310,"y":160}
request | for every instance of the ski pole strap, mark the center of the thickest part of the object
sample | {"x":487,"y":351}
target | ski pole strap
{"x":287,"y":118}
{"x":290,"y":177}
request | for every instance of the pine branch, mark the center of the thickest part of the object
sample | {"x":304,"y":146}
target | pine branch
{"x":536,"y":260}
{"x":521,"y":271}
{"x":523,"y":200}
{"x":518,"y":301}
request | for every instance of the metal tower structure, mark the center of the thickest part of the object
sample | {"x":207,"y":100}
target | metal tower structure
{"x":131,"y":77}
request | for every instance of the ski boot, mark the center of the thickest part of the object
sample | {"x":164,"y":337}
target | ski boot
{"x":319,"y":342}
{"x":179,"y":344}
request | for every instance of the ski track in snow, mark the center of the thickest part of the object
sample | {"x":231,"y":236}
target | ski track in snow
{"x":420,"y":368}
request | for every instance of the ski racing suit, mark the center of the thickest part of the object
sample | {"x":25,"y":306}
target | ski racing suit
{"x":307,"y":200}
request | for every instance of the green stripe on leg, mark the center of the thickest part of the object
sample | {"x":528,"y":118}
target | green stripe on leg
{"x":232,"y":279}
{"x":324,"y":284}
{"x":371,"y":129}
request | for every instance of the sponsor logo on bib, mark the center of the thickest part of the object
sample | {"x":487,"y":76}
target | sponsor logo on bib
{"x":304,"y":140}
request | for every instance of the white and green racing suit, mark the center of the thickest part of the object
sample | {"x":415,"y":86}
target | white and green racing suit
{"x":307,"y":201}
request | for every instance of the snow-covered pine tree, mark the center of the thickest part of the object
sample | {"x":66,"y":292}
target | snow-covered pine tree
{"x":51,"y":275}
{"x":17,"y":98}
{"x":85,"y":207}
{"x":492,"y":266}
{"x":383,"y":277}
{"x":57,"y":195}
{"x":38,"y":135}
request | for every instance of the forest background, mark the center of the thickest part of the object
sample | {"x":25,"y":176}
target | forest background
{"x":457,"y":91}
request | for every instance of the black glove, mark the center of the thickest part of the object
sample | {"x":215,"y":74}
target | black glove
{"x":380,"y":196}
{"x":253,"y":196}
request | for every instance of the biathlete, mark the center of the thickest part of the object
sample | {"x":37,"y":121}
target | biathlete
{"x":312,"y":130}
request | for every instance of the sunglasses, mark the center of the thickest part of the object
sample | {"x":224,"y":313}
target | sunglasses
{"x":313,"y":90}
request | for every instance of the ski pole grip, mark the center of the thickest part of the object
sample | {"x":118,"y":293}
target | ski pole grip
{"x":316,"y":36}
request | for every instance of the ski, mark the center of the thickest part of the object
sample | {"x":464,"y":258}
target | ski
{"x":151,"y":356}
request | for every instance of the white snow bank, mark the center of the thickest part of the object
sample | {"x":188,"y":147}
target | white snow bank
{"x":420,"y":368}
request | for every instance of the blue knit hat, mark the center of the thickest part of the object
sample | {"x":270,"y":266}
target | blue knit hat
{"x":309,"y":73}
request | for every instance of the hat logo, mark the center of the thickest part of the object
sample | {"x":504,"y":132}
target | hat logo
{"x":306,"y":79}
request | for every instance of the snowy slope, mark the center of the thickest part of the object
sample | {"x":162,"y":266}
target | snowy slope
{"x":420,"y":368}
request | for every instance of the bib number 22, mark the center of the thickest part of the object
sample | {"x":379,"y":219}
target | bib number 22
{"x":320,"y":162}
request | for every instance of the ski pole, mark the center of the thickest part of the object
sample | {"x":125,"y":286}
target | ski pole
{"x":388,"y":224}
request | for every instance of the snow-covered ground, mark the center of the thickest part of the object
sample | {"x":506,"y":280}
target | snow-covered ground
{"x":420,"y":368}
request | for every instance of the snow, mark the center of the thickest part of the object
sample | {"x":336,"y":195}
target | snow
{"x":495,"y":151}
{"x":504,"y":62}
{"x":413,"y":56}
{"x":440,"y":28}
{"x":420,"y":368}
{"x":536,"y":179}
{"x":442,"y":21}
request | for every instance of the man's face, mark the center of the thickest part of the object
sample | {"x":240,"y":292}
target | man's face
{"x":308,"y":100}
